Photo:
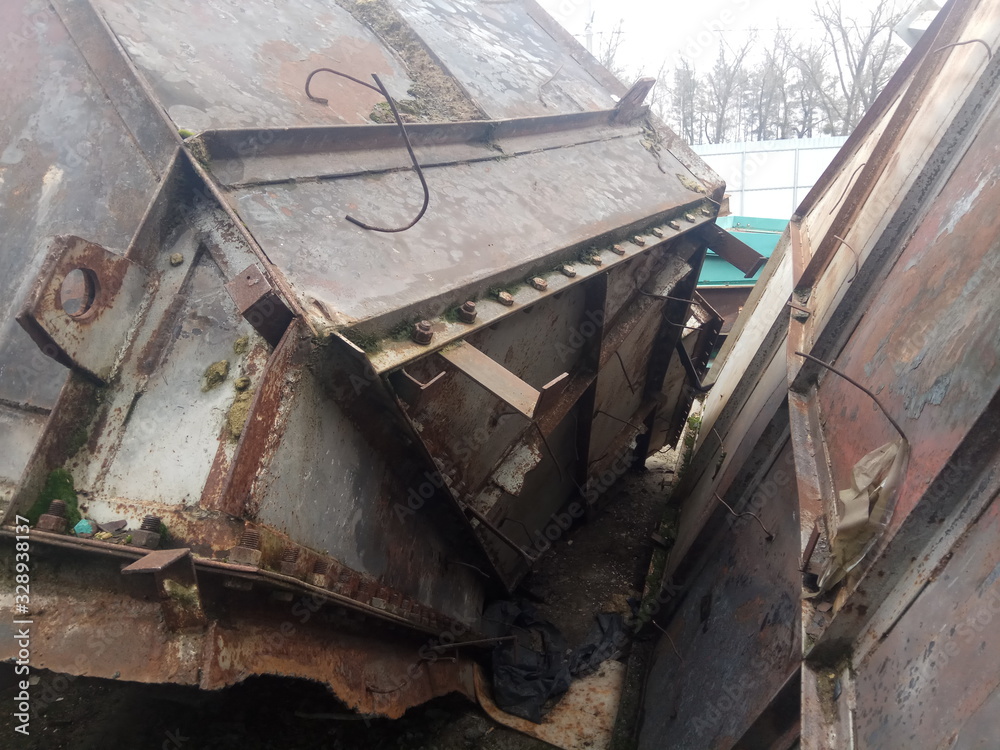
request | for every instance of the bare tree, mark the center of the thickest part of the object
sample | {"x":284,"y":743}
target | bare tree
{"x":608,"y":51}
{"x":860,"y":57}
{"x":723,"y":88}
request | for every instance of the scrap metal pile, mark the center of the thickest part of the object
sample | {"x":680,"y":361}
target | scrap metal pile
{"x":300,"y":372}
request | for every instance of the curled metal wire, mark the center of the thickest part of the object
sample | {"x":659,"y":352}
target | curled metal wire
{"x":989,"y":52}
{"x":406,"y":140}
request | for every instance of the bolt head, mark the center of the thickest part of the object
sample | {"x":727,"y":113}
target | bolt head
{"x":245,"y":556}
{"x":505,"y":298}
{"x":467,"y":312}
{"x":568,"y":271}
{"x":51,"y":523}
{"x":706,"y":211}
{"x":318,"y":579}
{"x":657,"y":232}
{"x":637,"y":240}
{"x":674,"y":225}
{"x":618,"y":250}
{"x":689,"y":218}
{"x":145,"y":539}
{"x":595,"y":260}
{"x":422,"y":332}
{"x":539,"y":283}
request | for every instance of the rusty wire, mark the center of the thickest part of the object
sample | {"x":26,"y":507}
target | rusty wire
{"x":856,"y":268}
{"x":850,"y":181}
{"x":770,"y":535}
{"x":857,"y":385}
{"x":989,"y":51}
{"x":625,"y":372}
{"x":406,"y":140}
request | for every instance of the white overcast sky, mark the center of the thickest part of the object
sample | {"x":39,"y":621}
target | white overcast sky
{"x":663,"y":29}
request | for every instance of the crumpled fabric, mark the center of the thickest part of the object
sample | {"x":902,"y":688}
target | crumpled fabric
{"x":864,"y":509}
{"x":525,"y":678}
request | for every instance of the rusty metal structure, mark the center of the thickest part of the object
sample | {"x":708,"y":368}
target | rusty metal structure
{"x":328,"y":444}
{"x":796,"y":616}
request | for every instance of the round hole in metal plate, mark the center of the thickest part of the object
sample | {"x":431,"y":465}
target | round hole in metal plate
{"x":78,"y":292}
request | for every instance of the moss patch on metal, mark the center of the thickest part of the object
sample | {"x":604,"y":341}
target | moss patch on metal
{"x":215,"y":373}
{"x":58,"y":486}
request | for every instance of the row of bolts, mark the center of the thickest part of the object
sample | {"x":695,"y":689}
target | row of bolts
{"x":423,"y":332}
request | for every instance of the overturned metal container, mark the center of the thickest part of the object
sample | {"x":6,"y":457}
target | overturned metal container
{"x":347,"y":439}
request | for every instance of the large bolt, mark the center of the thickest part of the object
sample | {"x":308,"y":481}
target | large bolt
{"x":289,"y":560}
{"x":467,"y":312}
{"x":247,"y":552}
{"x":505,"y":298}
{"x":55,"y":519}
{"x":319,"y":576}
{"x":422,"y":332}
{"x":148,"y":535}
{"x":539,"y":283}
{"x":151,"y":523}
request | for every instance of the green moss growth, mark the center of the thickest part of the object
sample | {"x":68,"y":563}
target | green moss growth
{"x":382,"y":113}
{"x":164,"y":534}
{"x":184,"y":595}
{"x":236,"y":419}
{"x":215,"y":373}
{"x":58,"y":486}
{"x":185,"y":133}
{"x":366,"y":342}
{"x":451,"y":314}
{"x":690,"y":438}
{"x":200,"y":152}
{"x":402,"y":330}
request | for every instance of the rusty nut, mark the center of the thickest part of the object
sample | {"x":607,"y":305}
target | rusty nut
{"x":145,"y":539}
{"x":422,"y":332}
{"x":657,"y":232}
{"x":539,"y":283}
{"x":289,"y":561}
{"x":505,"y":298}
{"x":618,"y":250}
{"x":637,"y":240}
{"x":689,"y":218}
{"x":247,"y":552}
{"x":674,"y":225}
{"x":51,"y":523}
{"x":55,"y":520}
{"x":568,"y":270}
{"x":467,"y":312}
